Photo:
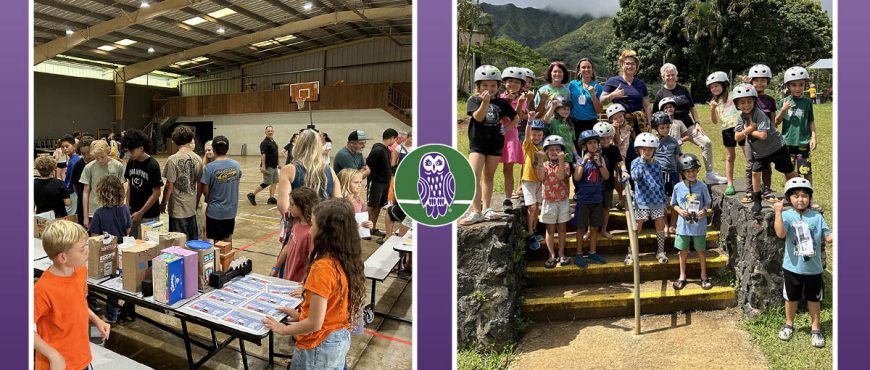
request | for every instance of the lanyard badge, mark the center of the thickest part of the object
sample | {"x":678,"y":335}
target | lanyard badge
{"x":803,"y":240}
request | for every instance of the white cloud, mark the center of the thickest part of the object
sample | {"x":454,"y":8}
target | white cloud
{"x":596,"y":8}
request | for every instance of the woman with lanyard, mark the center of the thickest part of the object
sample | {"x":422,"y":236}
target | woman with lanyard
{"x":631,"y":93}
{"x":685,"y":111}
{"x":585,"y":94}
{"x":557,"y":77}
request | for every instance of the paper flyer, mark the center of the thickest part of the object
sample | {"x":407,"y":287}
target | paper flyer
{"x":264,"y":309}
{"x":222,"y":296}
{"x":249,"y":321}
{"x":279,"y":300}
{"x":363,"y":232}
{"x":240,"y":289}
{"x":283,"y":289}
{"x":211,"y":308}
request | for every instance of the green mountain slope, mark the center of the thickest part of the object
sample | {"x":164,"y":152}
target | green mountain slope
{"x":588,"y":41}
{"x":530,"y":26}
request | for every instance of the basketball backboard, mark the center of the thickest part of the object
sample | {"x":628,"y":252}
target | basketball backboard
{"x":308,"y":90}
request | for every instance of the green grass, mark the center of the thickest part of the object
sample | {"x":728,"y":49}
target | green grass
{"x":472,"y":360}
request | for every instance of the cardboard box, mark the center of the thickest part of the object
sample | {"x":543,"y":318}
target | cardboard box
{"x":226,"y":259}
{"x":223,"y":247}
{"x":168,"y":277}
{"x":102,"y":258}
{"x":190,"y":269}
{"x":155,"y":226}
{"x":171,"y":239}
{"x":206,"y":262}
{"x":137,"y":265}
{"x":40,"y":222}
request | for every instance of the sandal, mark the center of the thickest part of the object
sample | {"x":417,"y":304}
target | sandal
{"x":771,"y":198}
{"x":679,"y":284}
{"x":628,"y":261}
{"x":706,"y":284}
{"x":785,"y":332}
{"x":564,"y":261}
{"x":490,"y":215}
{"x":550,"y":264}
{"x":471,"y":219}
{"x":746,"y":198}
{"x":818,"y":338}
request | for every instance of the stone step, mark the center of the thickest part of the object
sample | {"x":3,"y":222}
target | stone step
{"x":616,"y":271}
{"x":587,"y":301}
{"x":619,"y":243}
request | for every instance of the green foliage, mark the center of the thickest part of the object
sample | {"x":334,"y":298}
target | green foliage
{"x":589,"y":41}
{"x":472,"y":360}
{"x":479,"y":296}
{"x":700,"y":37}
{"x":531,"y":26}
{"x":504,"y":52}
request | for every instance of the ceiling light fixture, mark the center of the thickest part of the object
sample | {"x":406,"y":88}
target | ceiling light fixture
{"x":125,"y":42}
{"x":221,"y":30}
{"x":307,"y":6}
{"x":150,"y":49}
{"x":144,"y":5}
{"x":194,"y":21}
{"x":69,"y":32}
{"x":222,"y":13}
{"x":107,"y":48}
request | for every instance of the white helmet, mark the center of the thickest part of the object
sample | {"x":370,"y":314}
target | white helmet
{"x":668,"y":100}
{"x":514,"y":72}
{"x":742,"y":91}
{"x":487,"y":73}
{"x":614,"y":109}
{"x":760,"y":70}
{"x":798,"y":183}
{"x":647,"y":140}
{"x":794,"y":74}
{"x":718,"y":76}
{"x":529,"y":73}
{"x":554,"y":140}
{"x":604,"y":129}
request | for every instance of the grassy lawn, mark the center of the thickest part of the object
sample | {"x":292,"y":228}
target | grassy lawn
{"x":798,"y":353}
{"x":468,"y":360}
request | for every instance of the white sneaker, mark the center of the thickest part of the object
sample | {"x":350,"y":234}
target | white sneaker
{"x":714,"y":178}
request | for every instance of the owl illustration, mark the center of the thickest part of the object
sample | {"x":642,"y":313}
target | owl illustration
{"x":436,"y":186}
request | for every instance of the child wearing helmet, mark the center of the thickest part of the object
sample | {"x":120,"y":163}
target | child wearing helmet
{"x":804,"y":231}
{"x":512,"y":151}
{"x":530,"y":79}
{"x":486,"y":139}
{"x":622,"y":137}
{"x":649,"y":192}
{"x":723,"y":112}
{"x":765,"y":141}
{"x":690,"y":201}
{"x":553,"y":172}
{"x":798,"y":124}
{"x":678,"y":129}
{"x":557,"y":118}
{"x":588,"y":184}
{"x":668,"y":155}
{"x":530,"y":182}
{"x":613,"y":161}
{"x":759,"y":76}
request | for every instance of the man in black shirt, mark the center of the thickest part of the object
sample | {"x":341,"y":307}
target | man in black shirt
{"x":378,"y":162}
{"x":83,"y":147}
{"x":268,"y":167}
{"x":145,"y":181}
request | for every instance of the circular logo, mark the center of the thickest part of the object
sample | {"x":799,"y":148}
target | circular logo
{"x":434,"y":185}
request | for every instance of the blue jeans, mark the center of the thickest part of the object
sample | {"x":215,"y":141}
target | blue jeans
{"x":330,"y":354}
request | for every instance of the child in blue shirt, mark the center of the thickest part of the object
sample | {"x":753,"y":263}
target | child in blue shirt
{"x":667,"y":154}
{"x":691,"y":199}
{"x":804,"y":230}
{"x":588,"y":181}
{"x":649,"y":192}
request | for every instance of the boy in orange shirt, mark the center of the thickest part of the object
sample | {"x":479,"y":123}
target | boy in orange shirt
{"x":61,"y":312}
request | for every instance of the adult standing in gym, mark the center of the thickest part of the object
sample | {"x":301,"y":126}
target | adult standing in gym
{"x":268,"y":167}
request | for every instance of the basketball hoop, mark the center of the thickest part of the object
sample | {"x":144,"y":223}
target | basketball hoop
{"x":300,"y":102}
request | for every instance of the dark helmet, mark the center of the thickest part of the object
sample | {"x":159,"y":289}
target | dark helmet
{"x":688,"y":162}
{"x":660,"y":118}
{"x":586,"y":136}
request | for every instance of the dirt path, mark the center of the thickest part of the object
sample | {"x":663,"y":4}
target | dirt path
{"x":709,"y":340}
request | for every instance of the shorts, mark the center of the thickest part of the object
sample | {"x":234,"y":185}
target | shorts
{"x":270,"y":177}
{"x":671,"y":179}
{"x":378,"y":192}
{"x":72,"y":209}
{"x":643,"y":214}
{"x":555,"y":212}
{"x":586,"y":215}
{"x":491,"y":147}
{"x":532,"y":192}
{"x":607,"y":200}
{"x":683,"y":242}
{"x":728,"y":139}
{"x":330,"y":354}
{"x":396,"y":213}
{"x":780,"y":159}
{"x":186,"y":226}
{"x":804,"y":166}
{"x":219,"y":229}
{"x":135,"y":229}
{"x":796,"y":287}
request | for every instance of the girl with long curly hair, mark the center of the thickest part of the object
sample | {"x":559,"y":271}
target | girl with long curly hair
{"x":333,"y":291}
{"x":113,"y":216}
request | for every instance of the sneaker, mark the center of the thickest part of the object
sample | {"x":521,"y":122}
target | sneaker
{"x":786,"y":331}
{"x":580,"y":262}
{"x":490,"y":215}
{"x":508,"y":205}
{"x":818,"y":339}
{"x":376,"y":232}
{"x":628,"y":261}
{"x":539,"y":237}
{"x":471,"y":219}
{"x":252,"y":199}
{"x":534,"y":244}
{"x":714,"y":178}
{"x":729,"y":191}
{"x":550,"y":263}
{"x":272,"y":200}
{"x":662,"y":257}
{"x":596,"y":258}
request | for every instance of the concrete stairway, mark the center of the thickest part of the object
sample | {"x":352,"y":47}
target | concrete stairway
{"x":606,"y":290}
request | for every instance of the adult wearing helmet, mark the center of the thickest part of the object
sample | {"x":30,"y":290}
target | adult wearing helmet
{"x":585,"y":97}
{"x":685,"y":111}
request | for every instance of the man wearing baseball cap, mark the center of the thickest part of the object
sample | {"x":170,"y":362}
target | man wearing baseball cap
{"x":351,"y":155}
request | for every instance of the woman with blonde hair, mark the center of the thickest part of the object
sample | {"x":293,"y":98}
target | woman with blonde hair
{"x":632,"y":93}
{"x":308,"y":169}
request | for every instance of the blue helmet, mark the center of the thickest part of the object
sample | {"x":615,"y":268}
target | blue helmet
{"x":660,"y":118}
{"x":586,"y":136}
{"x":537,"y":124}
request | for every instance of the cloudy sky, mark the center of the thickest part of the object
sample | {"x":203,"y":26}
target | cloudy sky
{"x":595,"y":7}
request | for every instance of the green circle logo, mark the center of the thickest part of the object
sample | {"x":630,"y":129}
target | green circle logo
{"x":434,"y":185}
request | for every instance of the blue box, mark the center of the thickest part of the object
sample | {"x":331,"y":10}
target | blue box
{"x":168,"y":277}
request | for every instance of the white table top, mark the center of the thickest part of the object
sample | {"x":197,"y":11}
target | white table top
{"x":379,"y":264}
{"x":36,"y":247}
{"x":400,"y":244}
{"x":104,"y":356}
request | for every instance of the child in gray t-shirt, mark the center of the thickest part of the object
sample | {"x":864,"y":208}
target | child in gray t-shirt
{"x":766,"y":142}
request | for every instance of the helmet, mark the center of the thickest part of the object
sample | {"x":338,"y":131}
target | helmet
{"x":604,"y":129}
{"x":666,"y":101}
{"x":614,"y":109}
{"x":514,"y":72}
{"x":537,"y":124}
{"x":646,"y":140}
{"x":660,"y":118}
{"x":743,"y":91}
{"x":528,"y":73}
{"x":795,"y":74}
{"x":554,"y":140}
{"x":688,"y":162}
{"x":487,"y":73}
{"x":587,"y":135}
{"x":796,"y":183}
{"x":760,"y":70}
{"x":561,"y":101}
{"x":717,"y":76}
